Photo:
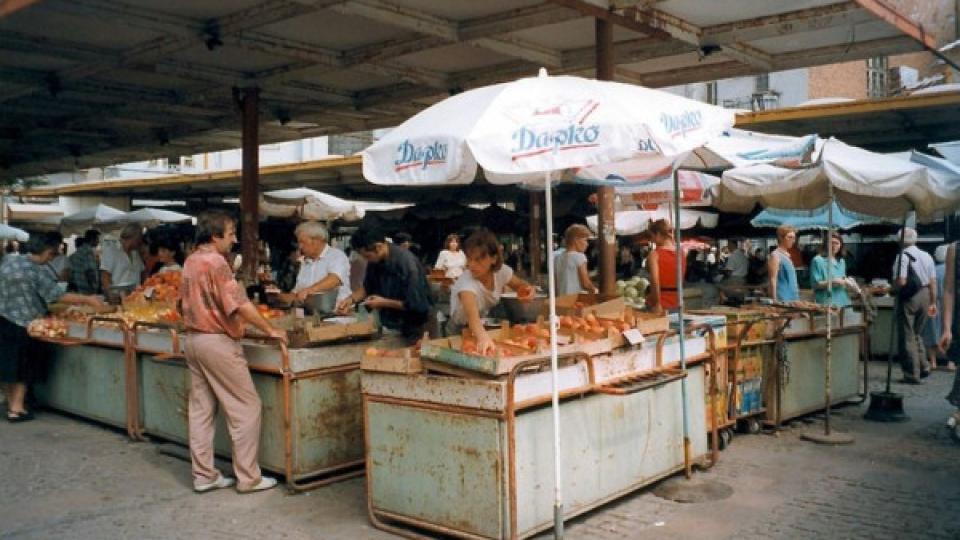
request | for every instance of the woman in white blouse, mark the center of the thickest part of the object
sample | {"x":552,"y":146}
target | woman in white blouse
{"x":481,"y":286}
{"x":451,"y":260}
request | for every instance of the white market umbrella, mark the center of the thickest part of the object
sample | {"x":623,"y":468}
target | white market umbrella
{"x":532,"y":130}
{"x":309,"y":204}
{"x":12,"y":233}
{"x":151,"y":217}
{"x":636,"y":221}
{"x":862,"y":181}
{"x":859,"y":180}
{"x":99,"y":216}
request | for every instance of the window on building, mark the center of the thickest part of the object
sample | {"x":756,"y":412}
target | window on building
{"x":762,"y":83}
{"x":712,"y":93}
{"x":877,"y":77}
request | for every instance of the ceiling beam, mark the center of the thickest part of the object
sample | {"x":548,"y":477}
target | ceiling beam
{"x":177,"y":32}
{"x":591,"y":10}
{"x":674,"y":26}
{"x":794,"y":22}
{"x":400,"y":16}
{"x":747,"y":54}
{"x":884,"y":11}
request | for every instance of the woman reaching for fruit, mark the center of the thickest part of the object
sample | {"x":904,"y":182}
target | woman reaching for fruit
{"x":27,"y":288}
{"x":480,"y":288}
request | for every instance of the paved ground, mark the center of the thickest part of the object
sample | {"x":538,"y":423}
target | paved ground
{"x":64,"y":478}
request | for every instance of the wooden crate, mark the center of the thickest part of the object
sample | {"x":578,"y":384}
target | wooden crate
{"x":310,"y":333}
{"x":405,"y":362}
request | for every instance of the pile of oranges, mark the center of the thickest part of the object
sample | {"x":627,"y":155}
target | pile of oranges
{"x":163,"y":287}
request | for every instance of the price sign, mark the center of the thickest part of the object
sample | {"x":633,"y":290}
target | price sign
{"x":633,"y":336}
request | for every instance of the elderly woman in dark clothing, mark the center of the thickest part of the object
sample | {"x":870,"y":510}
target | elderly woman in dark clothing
{"x":27,"y":287}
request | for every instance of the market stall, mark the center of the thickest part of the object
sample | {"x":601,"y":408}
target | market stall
{"x":456,"y":442}
{"x":126,"y":368}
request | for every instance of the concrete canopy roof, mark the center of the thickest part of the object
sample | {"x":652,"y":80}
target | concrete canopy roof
{"x":87,"y":83}
{"x":882,"y":125}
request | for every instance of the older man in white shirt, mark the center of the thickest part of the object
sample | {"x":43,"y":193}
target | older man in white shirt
{"x":918,"y":308}
{"x":120,"y":263}
{"x":324,"y":267}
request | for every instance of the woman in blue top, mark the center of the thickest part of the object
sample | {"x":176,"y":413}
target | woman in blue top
{"x":783,"y":275}
{"x":838,"y":275}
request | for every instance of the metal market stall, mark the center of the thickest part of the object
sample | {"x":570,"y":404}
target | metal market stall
{"x":132,"y":375}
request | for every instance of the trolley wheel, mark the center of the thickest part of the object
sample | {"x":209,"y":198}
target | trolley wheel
{"x":953,"y":424}
{"x":726,"y":435}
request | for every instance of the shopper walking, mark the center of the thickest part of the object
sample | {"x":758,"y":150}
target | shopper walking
{"x":914,"y":275}
{"x":215,"y":310}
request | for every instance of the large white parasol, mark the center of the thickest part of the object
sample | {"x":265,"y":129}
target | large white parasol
{"x":866,"y":182}
{"x":12,"y":233}
{"x":532,"y":130}
{"x":99,"y":216}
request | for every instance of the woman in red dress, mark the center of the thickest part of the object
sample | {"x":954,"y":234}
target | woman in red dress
{"x":662,"y":265}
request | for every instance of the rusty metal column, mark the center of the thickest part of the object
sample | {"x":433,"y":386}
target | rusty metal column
{"x":250,"y":183}
{"x":536,"y":243}
{"x":607,"y":236}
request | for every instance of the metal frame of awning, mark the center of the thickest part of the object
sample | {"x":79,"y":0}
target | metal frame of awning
{"x":884,"y":125}
{"x":88,"y":83}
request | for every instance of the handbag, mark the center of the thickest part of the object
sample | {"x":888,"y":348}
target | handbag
{"x":913,"y":285}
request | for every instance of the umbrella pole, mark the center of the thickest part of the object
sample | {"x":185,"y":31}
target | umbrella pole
{"x":555,"y":394}
{"x":827,"y":437}
{"x":887,"y":406}
{"x":681,"y":259}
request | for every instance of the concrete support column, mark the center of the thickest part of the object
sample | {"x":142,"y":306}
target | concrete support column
{"x":250,"y":183}
{"x":607,"y":238}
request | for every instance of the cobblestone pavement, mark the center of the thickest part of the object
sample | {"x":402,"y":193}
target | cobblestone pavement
{"x":65,"y":478}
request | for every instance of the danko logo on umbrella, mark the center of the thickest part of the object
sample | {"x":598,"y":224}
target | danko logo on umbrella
{"x":425,"y":156}
{"x":553,"y":128}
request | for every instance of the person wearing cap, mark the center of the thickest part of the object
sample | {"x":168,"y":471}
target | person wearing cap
{"x":918,"y":308}
{"x":571,"y":265}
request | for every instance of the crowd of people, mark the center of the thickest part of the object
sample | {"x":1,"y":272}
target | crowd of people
{"x":388,"y":277}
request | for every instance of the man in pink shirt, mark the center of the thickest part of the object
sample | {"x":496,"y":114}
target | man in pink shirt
{"x":215,"y":310}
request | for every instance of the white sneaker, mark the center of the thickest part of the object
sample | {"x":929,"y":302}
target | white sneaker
{"x":265,"y":483}
{"x":221,"y":482}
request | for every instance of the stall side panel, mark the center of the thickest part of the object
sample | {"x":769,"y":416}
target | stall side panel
{"x":440,"y":467}
{"x":329,"y":421}
{"x":87,"y":381}
{"x":610,"y":445}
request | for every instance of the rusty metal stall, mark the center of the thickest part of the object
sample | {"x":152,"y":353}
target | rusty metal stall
{"x":468,"y":455}
{"x":312,"y":417}
{"x":90,"y":374}
{"x":794,"y":366}
{"x":135,"y":377}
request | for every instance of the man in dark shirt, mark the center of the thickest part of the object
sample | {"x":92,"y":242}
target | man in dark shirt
{"x":395,"y":284}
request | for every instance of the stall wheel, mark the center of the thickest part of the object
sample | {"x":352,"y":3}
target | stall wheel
{"x":953,"y":424}
{"x":726,"y":435}
{"x":748,"y":425}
